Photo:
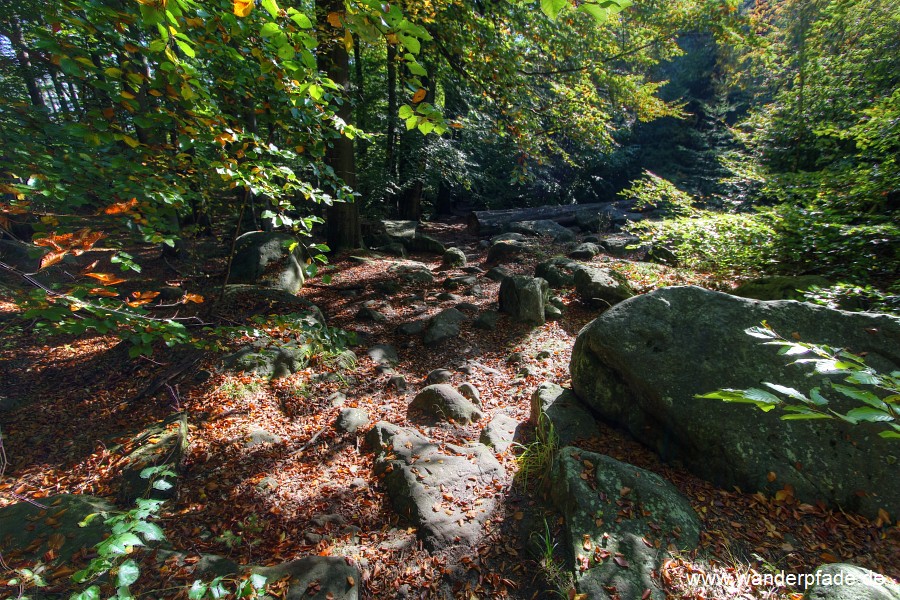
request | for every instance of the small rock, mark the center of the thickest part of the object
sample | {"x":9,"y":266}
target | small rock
{"x":841,"y":581}
{"x":442,"y":402}
{"x":487,"y":320}
{"x":443,"y":326}
{"x":515,"y":358}
{"x":369,"y":314}
{"x":585,"y":251}
{"x":498,"y":274}
{"x":351,"y":420}
{"x":499,"y":433}
{"x":524,"y":298}
{"x":471,"y":392}
{"x":506,"y":250}
{"x":438,"y":376}
{"x":398,"y":382}
{"x":448,"y":297}
{"x":202,"y":376}
{"x":257,"y":436}
{"x":473,"y":270}
{"x":467,"y":307}
{"x":413,"y":327}
{"x":383,"y":354}
{"x":337,"y":399}
{"x":462,"y":281}
{"x":552,"y":313}
{"x":454,"y":258}
{"x":543,"y":355}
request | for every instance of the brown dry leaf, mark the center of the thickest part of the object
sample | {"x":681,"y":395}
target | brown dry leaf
{"x":102,"y":292}
{"x":419,"y":96}
{"x":518,"y":515}
{"x":621,"y":561}
{"x":51,"y":258}
{"x":121,"y":207}
{"x":196,"y":298}
{"x":884,"y":517}
{"x":334,"y":19}
{"x":350,"y":581}
{"x":586,"y":542}
{"x":771,"y":476}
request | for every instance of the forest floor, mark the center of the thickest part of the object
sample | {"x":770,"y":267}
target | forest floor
{"x":264,"y":503}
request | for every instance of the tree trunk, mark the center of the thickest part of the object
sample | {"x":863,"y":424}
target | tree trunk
{"x":342,"y":224}
{"x":390,"y":152}
{"x":26,"y":69}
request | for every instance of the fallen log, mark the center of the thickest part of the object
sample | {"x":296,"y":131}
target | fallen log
{"x":488,"y":222}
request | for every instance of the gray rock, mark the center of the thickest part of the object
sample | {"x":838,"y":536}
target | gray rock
{"x":337,"y":399}
{"x":560,"y":407}
{"x":260,"y":298}
{"x":544,"y":228}
{"x":351,"y":420}
{"x":163,"y":443}
{"x":271,"y":362}
{"x":394,"y":249}
{"x":467,"y":307}
{"x":585,"y":251}
{"x":425,"y":243}
{"x":366,"y":313}
{"x":506,"y":250}
{"x":487,"y":320}
{"x":383,"y":354}
{"x":419,"y":478}
{"x":594,"y":221}
{"x":256,"y":436}
{"x":443,"y":326}
{"x":171,"y":293}
{"x":661,"y":255}
{"x":601,"y":287}
{"x":509,"y":237}
{"x":438,"y":376}
{"x":515,"y":358}
{"x":610,"y":507}
{"x":471,"y":392}
{"x":24,"y":527}
{"x":617,"y":244}
{"x":498,"y":273}
{"x":455,"y":283}
{"x":398,"y":382}
{"x":454,"y":258}
{"x":641,"y":363}
{"x":413,"y":327}
{"x":473,"y":270}
{"x":552,"y":313}
{"x":557,"y":302}
{"x":334,"y":577}
{"x":524,"y":298}
{"x":499,"y":433}
{"x":448,"y":297}
{"x":440,"y":402}
{"x":780,"y":287}
{"x":387,"y":288}
{"x":559,"y":272}
{"x":270,"y":259}
{"x":839,"y":581}
{"x":412,"y":272}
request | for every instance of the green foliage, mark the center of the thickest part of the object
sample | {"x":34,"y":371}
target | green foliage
{"x":132,"y":529}
{"x":878,"y":394}
{"x":846,"y":296}
{"x":721,"y":243}
{"x":653,"y":192}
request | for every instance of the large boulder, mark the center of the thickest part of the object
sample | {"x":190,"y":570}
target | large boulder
{"x":524,"y":298}
{"x":601,"y":287}
{"x":315,"y":578}
{"x":616,"y":517}
{"x":268,"y":258}
{"x":441,"y":488}
{"x":641,"y":364}
{"x":29,"y":531}
{"x":443,"y":326}
{"x":840,"y":581}
{"x":506,"y":250}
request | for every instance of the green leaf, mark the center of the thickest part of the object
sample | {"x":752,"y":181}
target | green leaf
{"x":92,"y":593}
{"x":763,"y":333}
{"x":271,"y":7}
{"x":862,"y":395}
{"x":258,"y":581}
{"x":128,"y":573}
{"x":410,"y":43}
{"x":551,"y":8}
{"x":416,"y":69}
{"x":405,"y":111}
{"x":412,"y":122}
{"x":151,"y":531}
{"x":119,"y":544}
{"x":162,"y":485}
{"x":426,"y":127}
{"x":817,"y":398}
{"x":599,"y":14}
{"x":891,"y":435}
{"x":269,"y":29}
{"x":869,"y":415}
{"x":787,"y":391}
{"x":197,"y":591}
{"x":302,"y":21}
{"x":186,"y":48}
{"x":805,"y":416}
{"x":286,"y":52}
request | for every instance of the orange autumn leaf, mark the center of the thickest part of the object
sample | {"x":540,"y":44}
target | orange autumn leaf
{"x":419,"y":96}
{"x":334,"y":19}
{"x":106,"y":278}
{"x":136,"y":303}
{"x":120,"y":207}
{"x":242,"y":8}
{"x":51,"y":258}
{"x":144,"y":295}
{"x":102,"y":292}
{"x":197,"y":298}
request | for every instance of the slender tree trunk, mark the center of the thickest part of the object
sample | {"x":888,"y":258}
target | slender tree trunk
{"x":390,"y":151}
{"x":342,"y":219}
{"x":362,"y":145}
{"x":26,"y":69}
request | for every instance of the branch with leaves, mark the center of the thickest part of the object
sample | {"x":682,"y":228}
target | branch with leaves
{"x":877,"y":393}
